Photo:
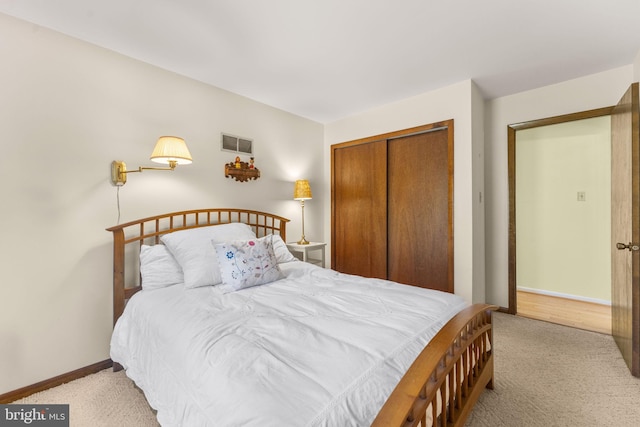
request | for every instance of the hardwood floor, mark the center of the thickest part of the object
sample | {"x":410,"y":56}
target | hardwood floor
{"x":578,"y":314}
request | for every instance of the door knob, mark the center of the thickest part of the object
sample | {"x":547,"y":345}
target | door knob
{"x":630,"y":246}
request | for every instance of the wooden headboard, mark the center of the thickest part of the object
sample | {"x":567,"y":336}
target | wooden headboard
{"x":129,"y":237}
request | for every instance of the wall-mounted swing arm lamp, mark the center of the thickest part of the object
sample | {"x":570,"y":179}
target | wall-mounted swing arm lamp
{"x":302,"y":192}
{"x":169,"y":150}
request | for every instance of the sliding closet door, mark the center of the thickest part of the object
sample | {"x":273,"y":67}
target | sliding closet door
{"x":420,"y":214}
{"x":392,"y":206}
{"x":359,"y":191}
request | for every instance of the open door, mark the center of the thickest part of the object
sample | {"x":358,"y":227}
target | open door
{"x":625,"y":228}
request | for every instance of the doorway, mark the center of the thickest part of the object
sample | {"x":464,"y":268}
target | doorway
{"x":559,"y":178}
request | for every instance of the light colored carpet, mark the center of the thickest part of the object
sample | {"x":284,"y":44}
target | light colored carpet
{"x":104,"y":399}
{"x":552,"y":375}
{"x":545,"y":375}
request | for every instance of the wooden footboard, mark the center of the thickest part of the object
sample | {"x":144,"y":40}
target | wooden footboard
{"x":446,"y":379}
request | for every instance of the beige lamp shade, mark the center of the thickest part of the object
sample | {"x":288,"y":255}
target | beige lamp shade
{"x":302,"y":190}
{"x":171,"y":149}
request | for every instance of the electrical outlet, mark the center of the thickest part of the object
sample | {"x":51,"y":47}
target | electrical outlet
{"x":582,"y":196}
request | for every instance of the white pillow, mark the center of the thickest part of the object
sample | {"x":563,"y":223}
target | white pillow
{"x":158,"y":268}
{"x":280,"y":249}
{"x":193,"y":250}
{"x":247,"y":263}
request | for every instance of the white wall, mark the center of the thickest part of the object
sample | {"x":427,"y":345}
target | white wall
{"x":586,"y":93}
{"x":67,"y":110}
{"x":452,"y":102}
{"x":564,"y":244}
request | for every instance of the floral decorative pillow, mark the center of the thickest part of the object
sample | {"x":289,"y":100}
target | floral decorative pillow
{"x":246,"y":263}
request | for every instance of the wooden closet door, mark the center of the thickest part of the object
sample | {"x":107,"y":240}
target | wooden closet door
{"x":359,"y":209}
{"x":420,"y":210}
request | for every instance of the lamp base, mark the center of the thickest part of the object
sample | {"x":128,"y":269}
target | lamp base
{"x":302,"y":241}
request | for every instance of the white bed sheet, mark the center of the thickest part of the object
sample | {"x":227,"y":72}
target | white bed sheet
{"x":317,"y":348}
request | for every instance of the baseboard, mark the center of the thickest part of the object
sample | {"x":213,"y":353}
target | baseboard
{"x":565,"y":311}
{"x":563,"y":295}
{"x":54,"y":382}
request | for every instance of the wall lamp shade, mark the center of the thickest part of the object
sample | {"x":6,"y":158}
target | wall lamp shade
{"x":169,"y":150}
{"x":302,"y":192}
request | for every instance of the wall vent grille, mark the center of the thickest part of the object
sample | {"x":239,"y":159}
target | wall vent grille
{"x":236,"y":144}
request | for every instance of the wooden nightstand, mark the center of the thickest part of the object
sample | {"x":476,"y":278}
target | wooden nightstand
{"x":305,"y":249}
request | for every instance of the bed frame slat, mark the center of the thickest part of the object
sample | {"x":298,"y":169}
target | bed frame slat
{"x":461,"y":349}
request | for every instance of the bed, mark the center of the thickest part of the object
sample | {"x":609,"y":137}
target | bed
{"x":219,"y":325}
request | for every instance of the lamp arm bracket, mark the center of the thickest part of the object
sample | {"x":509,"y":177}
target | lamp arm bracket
{"x":151,"y":168}
{"x":119,"y":171}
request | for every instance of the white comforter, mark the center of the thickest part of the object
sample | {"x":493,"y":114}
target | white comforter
{"x":317,"y":348}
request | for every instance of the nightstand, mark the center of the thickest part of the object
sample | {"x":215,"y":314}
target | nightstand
{"x":305,"y":249}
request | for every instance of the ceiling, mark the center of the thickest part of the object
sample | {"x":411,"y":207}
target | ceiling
{"x":328,"y":59}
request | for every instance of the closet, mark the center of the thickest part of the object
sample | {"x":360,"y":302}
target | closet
{"x":392,"y":206}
